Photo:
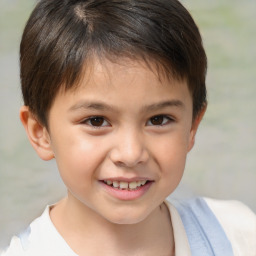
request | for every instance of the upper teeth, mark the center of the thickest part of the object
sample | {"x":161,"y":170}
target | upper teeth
{"x":125,"y":185}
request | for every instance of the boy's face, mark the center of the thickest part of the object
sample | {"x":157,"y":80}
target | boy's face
{"x":121,"y":126}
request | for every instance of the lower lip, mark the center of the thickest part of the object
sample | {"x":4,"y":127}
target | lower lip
{"x":126,"y":195}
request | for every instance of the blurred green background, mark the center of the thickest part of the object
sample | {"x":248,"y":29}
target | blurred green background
{"x":223,"y":161}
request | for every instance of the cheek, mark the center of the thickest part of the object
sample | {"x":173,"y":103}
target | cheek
{"x":173,"y":161}
{"x":173,"y":164}
{"x":172,"y":152}
{"x":78,"y":158}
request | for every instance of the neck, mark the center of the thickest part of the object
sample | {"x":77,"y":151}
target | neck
{"x":84,"y":231}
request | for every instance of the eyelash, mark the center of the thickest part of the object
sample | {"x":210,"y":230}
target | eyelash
{"x":164,"y":118}
{"x":89,"y":120}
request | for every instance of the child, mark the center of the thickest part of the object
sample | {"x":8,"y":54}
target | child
{"x":115,"y":91}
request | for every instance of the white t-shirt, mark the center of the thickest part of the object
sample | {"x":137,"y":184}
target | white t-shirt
{"x":240,"y":229}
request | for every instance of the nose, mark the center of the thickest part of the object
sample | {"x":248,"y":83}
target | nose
{"x":130,"y":149}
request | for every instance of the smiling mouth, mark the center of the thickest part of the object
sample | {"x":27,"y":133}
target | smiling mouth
{"x":123,"y":185}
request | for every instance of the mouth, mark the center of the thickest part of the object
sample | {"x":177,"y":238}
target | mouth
{"x":125,"y":189}
{"x":123,"y":185}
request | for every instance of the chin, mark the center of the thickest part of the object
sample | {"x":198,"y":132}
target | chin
{"x":127,"y":221}
{"x":127,"y":218}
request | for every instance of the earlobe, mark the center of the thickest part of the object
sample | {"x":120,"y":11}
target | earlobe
{"x":37,"y":134}
{"x":195,"y":126}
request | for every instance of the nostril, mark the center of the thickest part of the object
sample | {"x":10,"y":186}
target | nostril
{"x":128,"y":164}
{"x":129,"y":153}
{"x":120,"y":164}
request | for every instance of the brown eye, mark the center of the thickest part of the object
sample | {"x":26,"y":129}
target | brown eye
{"x":157,"y":120}
{"x":96,"y":121}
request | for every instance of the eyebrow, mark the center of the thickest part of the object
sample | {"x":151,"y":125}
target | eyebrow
{"x":91,"y":105}
{"x":164,"y":104}
{"x":106,"y":107}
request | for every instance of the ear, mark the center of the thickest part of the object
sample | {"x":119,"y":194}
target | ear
{"x":195,"y":126}
{"x":37,"y":134}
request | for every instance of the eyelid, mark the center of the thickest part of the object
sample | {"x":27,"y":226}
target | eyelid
{"x":169,"y":118}
{"x":88,"y":119}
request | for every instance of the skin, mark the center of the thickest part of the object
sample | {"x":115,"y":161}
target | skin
{"x":143,"y":130}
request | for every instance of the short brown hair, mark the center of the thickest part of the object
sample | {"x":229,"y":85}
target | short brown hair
{"x":61,"y":35}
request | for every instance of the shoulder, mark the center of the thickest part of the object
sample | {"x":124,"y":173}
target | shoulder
{"x":239,"y":224}
{"x":40,"y":238}
{"x":14,"y":249}
{"x":223,"y":225}
{"x":26,"y":241}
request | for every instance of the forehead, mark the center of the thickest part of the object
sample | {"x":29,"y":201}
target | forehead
{"x":108,"y":71}
{"x":120,"y":83}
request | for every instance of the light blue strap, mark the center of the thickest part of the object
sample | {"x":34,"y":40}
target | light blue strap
{"x":205,"y":234}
